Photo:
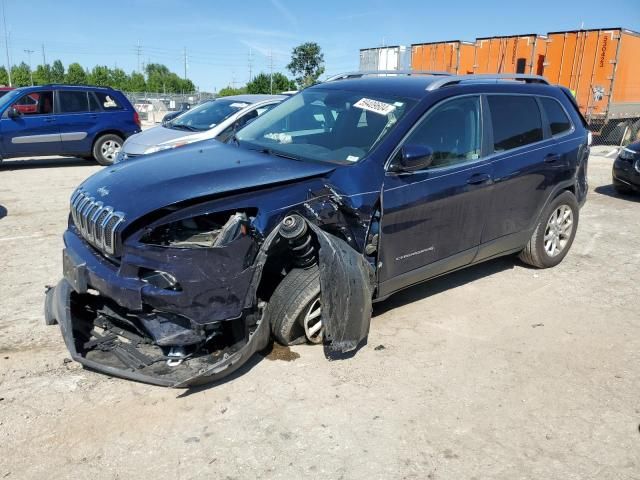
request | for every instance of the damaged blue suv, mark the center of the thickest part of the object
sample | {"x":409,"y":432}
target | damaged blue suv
{"x":180,"y":266}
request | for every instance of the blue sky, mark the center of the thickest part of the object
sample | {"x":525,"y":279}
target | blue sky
{"x":219,"y":35}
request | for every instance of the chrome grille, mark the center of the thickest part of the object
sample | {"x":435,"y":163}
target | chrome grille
{"x":97,"y":223}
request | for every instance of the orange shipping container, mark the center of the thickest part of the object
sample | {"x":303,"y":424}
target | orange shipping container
{"x":601,"y":67}
{"x":510,"y":54}
{"x":454,"y":57}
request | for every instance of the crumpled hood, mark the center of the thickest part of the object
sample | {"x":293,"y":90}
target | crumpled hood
{"x":159,"y":135}
{"x":193,"y":171}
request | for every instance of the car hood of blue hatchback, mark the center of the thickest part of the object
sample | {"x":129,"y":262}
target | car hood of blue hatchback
{"x":204,"y":170}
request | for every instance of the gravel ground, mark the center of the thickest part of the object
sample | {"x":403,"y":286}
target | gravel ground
{"x":498,"y":371}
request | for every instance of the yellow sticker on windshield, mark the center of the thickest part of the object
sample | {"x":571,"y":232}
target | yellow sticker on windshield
{"x":374,"y":106}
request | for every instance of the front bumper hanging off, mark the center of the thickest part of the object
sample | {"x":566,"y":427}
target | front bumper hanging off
{"x":74,"y":317}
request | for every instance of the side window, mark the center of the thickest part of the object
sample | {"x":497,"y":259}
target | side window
{"x":266,"y":108}
{"x":242,"y":121}
{"x":558,"y":120}
{"x":94,"y":106}
{"x":73,"y":101}
{"x":35,"y":103}
{"x":108,"y":101}
{"x":452,"y":130}
{"x":516,"y":121}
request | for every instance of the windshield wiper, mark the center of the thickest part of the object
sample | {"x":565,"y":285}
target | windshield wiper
{"x":179,"y":126}
{"x":276,"y":153}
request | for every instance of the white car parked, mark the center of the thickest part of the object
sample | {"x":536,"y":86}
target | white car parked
{"x":219,"y":119}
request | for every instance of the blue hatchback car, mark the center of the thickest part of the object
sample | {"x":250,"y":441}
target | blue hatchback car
{"x":181,"y":265}
{"x":85,"y":121}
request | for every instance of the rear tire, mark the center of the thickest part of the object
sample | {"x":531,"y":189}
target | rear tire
{"x":294,"y":305}
{"x":106,"y":148}
{"x":554,"y":234}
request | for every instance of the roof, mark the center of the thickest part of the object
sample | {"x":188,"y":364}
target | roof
{"x":401,"y":86}
{"x":253,"y":98}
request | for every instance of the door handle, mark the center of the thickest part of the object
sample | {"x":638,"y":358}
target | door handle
{"x":94,"y":116}
{"x":552,"y":158}
{"x":49,"y":119}
{"x":479,"y":178}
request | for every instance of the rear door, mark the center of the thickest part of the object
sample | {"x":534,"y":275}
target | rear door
{"x":432,"y":219}
{"x":34,"y":131}
{"x":529,"y":162}
{"x":77,"y":120}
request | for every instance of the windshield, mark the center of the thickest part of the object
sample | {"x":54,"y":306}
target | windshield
{"x":9,"y":96}
{"x":206,"y":116}
{"x":327,"y":125}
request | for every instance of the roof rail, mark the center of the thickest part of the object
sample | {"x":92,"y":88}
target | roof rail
{"x":490,"y":77}
{"x":371,"y":73}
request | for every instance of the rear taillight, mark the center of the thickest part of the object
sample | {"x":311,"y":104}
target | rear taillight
{"x":136,"y":119}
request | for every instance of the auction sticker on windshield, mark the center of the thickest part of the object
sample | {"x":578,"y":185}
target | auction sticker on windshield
{"x":375,"y":106}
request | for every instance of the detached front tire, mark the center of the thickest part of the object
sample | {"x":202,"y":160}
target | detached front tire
{"x":106,"y":148}
{"x":294,"y":310}
{"x":554,"y":234}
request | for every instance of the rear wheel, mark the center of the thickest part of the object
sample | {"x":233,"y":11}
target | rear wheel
{"x":295,"y":309}
{"x":554,"y":234}
{"x":106,"y":148}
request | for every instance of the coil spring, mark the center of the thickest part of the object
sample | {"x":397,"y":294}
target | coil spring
{"x":294,"y":230}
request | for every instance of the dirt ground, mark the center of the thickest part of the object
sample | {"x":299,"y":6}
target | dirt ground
{"x":499,"y":371}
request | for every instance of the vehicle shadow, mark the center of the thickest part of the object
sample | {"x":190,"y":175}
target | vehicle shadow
{"x":444,"y":283}
{"x":3,"y":212}
{"x":418,"y":292}
{"x":33,"y":163}
{"x":609,"y":191}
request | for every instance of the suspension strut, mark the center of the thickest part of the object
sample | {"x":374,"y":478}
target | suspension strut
{"x":294,"y":229}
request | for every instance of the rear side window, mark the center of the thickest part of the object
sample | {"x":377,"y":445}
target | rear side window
{"x":557,"y":117}
{"x":73,"y":102}
{"x":94,"y":106}
{"x":108,"y":101}
{"x":516,"y":121}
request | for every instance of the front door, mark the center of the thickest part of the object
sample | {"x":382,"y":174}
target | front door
{"x":33,"y":131}
{"x":432,"y":219}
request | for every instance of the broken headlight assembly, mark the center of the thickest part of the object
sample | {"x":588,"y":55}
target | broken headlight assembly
{"x":203,"y":231}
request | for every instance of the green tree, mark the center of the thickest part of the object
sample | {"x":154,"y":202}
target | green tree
{"x":136,"y":83}
{"x":307,"y":63}
{"x":119,"y":79}
{"x":42,"y":75}
{"x":187,"y":86}
{"x":57,"y":72}
{"x":76,"y":75}
{"x":4,"y":77}
{"x":100,"y":75}
{"x":226,"y":91}
{"x":261,"y":83}
{"x":21,"y":75}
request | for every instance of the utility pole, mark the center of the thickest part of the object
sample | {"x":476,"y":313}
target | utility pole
{"x":139,"y":53}
{"x":271,"y":71}
{"x":44,"y":65}
{"x":6,"y":44}
{"x":44,"y":57}
{"x":250,"y":66}
{"x":185,"y":63}
{"x":29,"y":52}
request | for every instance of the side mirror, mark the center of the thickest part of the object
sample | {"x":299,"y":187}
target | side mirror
{"x":414,"y":157}
{"x":13,"y":112}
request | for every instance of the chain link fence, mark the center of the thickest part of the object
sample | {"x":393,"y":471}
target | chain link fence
{"x":615,"y":132}
{"x":153,"y":106}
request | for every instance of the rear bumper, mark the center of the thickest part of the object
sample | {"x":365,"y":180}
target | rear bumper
{"x":59,"y":306}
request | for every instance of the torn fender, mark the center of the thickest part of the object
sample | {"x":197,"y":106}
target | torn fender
{"x":346,"y":288}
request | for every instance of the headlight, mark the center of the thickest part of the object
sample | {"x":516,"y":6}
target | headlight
{"x":159,"y":148}
{"x":202,"y":231}
{"x":627,"y":154}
